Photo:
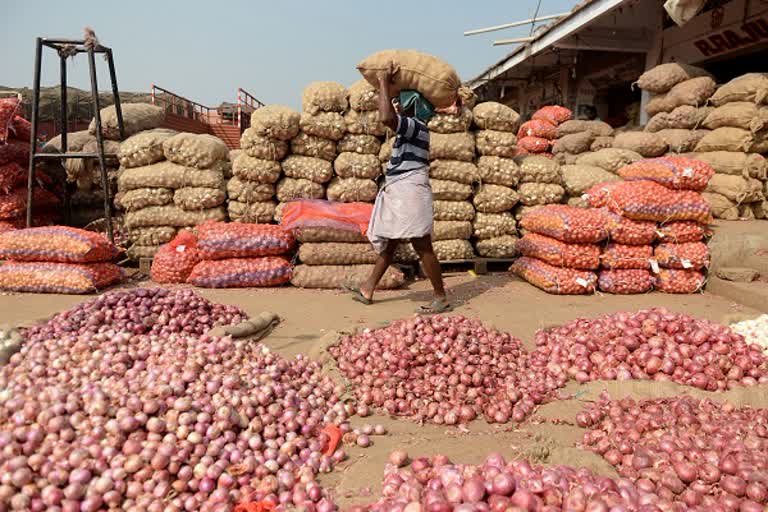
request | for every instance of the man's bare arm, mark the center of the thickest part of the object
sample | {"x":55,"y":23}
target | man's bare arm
{"x":387,"y":114}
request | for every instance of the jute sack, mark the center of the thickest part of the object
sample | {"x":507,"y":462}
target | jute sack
{"x":195,"y":150}
{"x":532,"y":194}
{"x":328,"y":125}
{"x":575,"y":143}
{"x":694,"y":92}
{"x":726,"y":139}
{"x":663,"y":77}
{"x":275,"y":122}
{"x":578,"y":202}
{"x":324,"y":97}
{"x":138,"y":252}
{"x":199,"y":198}
{"x":138,"y":198}
{"x":721,"y":206}
{"x":248,"y":191}
{"x":363,"y":144}
{"x":431,"y":76}
{"x":338,"y":276}
{"x":363,"y":96}
{"x":331,"y":253}
{"x":355,"y":165}
{"x":144,"y":148}
{"x":446,"y":190}
{"x":565,"y":159}
{"x":737,"y":189}
{"x":494,"y":199}
{"x":454,"y":170}
{"x":308,"y":168}
{"x":740,"y":114}
{"x":609,"y":159}
{"x":759,"y":209}
{"x":451,"y":230}
{"x":538,"y":169}
{"x":324,"y":234}
{"x":498,"y":247}
{"x":681,"y":141}
{"x":203,"y":178}
{"x":498,"y":171}
{"x":601,"y":143}
{"x":137,"y":117}
{"x":253,"y":213}
{"x":310,"y":145}
{"x":451,"y":123}
{"x":261,"y":147}
{"x":496,"y":143}
{"x":352,"y":190}
{"x":155,"y":235}
{"x":752,"y":87}
{"x":452,"y":146}
{"x":289,"y":189}
{"x":492,"y":225}
{"x":452,"y":250}
{"x":596,"y":128}
{"x":580,"y":178}
{"x":685,"y":117}
{"x":748,"y":165}
{"x":491,"y":115}
{"x":760,"y":145}
{"x":453,"y":210}
{"x":171,"y":215}
{"x":159,"y":175}
{"x":364,"y":123}
{"x":248,"y":168}
{"x":648,"y":145}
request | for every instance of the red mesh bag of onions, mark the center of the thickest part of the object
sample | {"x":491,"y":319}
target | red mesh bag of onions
{"x":60,"y":244}
{"x":326,"y":214}
{"x":629,"y":232}
{"x":647,"y":200}
{"x":537,"y":128}
{"x":8,"y":109}
{"x":45,"y":277}
{"x":21,"y":128}
{"x":219,"y":240}
{"x":175,"y":260}
{"x":14,"y":205}
{"x":683,"y":231}
{"x":559,"y":254}
{"x":625,"y":281}
{"x":555,"y":114}
{"x":675,"y":172}
{"x":555,"y":280}
{"x":620,"y":256}
{"x":597,"y":196}
{"x":567,"y":223}
{"x":688,"y":255}
{"x":533,"y":145}
{"x":679,"y":281}
{"x":14,"y":151}
{"x":241,"y":272}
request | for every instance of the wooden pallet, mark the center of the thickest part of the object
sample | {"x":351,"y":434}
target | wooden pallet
{"x":479,"y":266}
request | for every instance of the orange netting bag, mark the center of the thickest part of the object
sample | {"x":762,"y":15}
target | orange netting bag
{"x":326,"y":214}
{"x":567,"y":223}
{"x":620,"y":256}
{"x":647,"y":200}
{"x":625,"y":282}
{"x":556,"y":280}
{"x":61,"y":244}
{"x":219,"y":240}
{"x":597,"y":196}
{"x":47,"y":277}
{"x":675,"y":172}
{"x":687,"y":256}
{"x":175,"y":260}
{"x":683,"y":231}
{"x":679,"y":281}
{"x":14,"y":205}
{"x":559,"y":254}
{"x":241,"y":272}
{"x":629,"y":232}
{"x":537,"y":128}
{"x":555,"y":114}
{"x":532,"y":145}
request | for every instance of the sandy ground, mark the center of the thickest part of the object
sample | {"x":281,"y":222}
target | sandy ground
{"x":310,"y":318}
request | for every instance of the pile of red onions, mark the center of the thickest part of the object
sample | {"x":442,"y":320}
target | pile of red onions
{"x":445,"y":370}
{"x":653,"y":344}
{"x":93,"y":416}
{"x":436,"y":485}
{"x":699,"y":453}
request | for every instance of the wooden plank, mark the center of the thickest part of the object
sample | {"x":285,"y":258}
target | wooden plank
{"x":145,"y":264}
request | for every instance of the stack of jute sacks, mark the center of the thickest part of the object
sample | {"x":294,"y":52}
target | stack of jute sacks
{"x":169,"y":181}
{"x":575,"y":137}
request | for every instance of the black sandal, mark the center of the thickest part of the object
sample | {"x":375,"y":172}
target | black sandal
{"x":436,"y":307}
{"x":358,"y":296}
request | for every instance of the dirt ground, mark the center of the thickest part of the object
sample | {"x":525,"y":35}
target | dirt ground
{"x":311,"y":318}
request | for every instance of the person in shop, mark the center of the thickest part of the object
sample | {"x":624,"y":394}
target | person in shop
{"x":403,"y":208}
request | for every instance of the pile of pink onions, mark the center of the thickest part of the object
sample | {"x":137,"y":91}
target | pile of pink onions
{"x":653,"y":344}
{"x":699,"y":453}
{"x":436,"y":485}
{"x":445,"y":370}
{"x":93,"y":416}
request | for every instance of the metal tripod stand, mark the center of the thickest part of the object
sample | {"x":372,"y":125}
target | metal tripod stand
{"x":68,"y":48}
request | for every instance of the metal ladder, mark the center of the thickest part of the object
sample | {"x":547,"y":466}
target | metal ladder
{"x":68,"y":48}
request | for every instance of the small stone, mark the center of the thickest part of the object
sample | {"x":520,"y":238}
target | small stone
{"x":737,"y":274}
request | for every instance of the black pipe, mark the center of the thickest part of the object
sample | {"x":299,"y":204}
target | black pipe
{"x":33,"y":136}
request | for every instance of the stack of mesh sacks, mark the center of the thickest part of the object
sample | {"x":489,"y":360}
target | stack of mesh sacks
{"x":168,"y":181}
{"x":57,"y":259}
{"x":538,"y":135}
{"x":494,"y":227}
{"x":738,"y":120}
{"x":15,"y":133}
{"x":333,"y":251}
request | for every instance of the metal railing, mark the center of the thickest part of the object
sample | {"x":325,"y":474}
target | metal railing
{"x":235,"y":115}
{"x":246,"y":104}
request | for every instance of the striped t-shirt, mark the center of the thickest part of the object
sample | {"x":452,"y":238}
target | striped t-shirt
{"x":410,"y":150}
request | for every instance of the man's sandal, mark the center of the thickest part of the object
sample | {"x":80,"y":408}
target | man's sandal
{"x":436,"y":307}
{"x":357,"y":295}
